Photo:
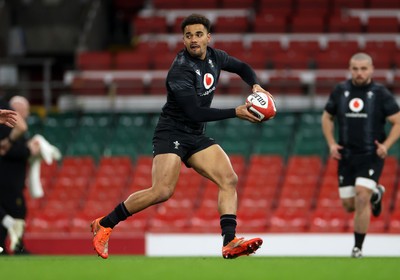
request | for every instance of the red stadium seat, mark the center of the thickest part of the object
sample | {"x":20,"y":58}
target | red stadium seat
{"x":303,"y":164}
{"x":285,"y":85}
{"x":328,"y":197}
{"x":115,"y":165}
{"x":394,"y":222}
{"x":276,"y":4}
{"x":234,"y":86}
{"x":128,"y":60}
{"x":306,"y":47}
{"x":292,"y":59}
{"x":257,"y":60}
{"x":289,"y":220}
{"x":252,"y":220}
{"x":45,"y":222}
{"x":383,"y":25}
{"x":139,"y":222}
{"x":384,"y":4}
{"x":270,"y":48}
{"x":151,"y":47}
{"x":325,"y":85}
{"x":157,"y":86}
{"x":266,"y":22}
{"x":168,"y":219}
{"x":333,"y":59}
{"x":176,"y":26}
{"x":308,"y":24}
{"x":76,"y":166}
{"x":168,"y":4}
{"x":382,"y":53}
{"x":206,"y":4}
{"x":89,"y":86}
{"x":344,"y":24}
{"x":205,"y":220}
{"x":258,"y":196}
{"x":231,"y":47}
{"x":345,"y":46}
{"x":329,"y":220}
{"x":318,"y":4}
{"x":346,"y":4}
{"x":149,"y":25}
{"x":229,"y":24}
{"x":96,"y":60}
{"x":238,"y":4}
{"x":129,"y":86}
{"x":97,"y":208}
{"x":331,"y":166}
{"x":162,"y":60}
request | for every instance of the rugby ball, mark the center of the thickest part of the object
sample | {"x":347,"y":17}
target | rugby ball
{"x":263,"y":105}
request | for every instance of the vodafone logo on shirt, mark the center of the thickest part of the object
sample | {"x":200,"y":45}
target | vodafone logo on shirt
{"x":356,"y":105}
{"x":208,"y":80}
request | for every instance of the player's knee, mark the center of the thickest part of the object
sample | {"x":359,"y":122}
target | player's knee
{"x":230,"y":180}
{"x":362,"y":198}
{"x":162,"y":194}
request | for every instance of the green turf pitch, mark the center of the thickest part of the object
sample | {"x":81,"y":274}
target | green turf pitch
{"x":197,"y":268}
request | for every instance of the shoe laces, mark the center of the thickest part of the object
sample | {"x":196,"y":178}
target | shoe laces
{"x":236,"y":242}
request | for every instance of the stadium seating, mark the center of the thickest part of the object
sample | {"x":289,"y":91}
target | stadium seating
{"x":300,"y":193}
{"x":291,"y":200}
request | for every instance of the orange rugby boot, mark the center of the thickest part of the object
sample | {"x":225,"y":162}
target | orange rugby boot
{"x":240,"y":247}
{"x":101,"y":235}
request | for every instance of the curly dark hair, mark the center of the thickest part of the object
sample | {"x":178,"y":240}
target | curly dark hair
{"x":196,"y":19}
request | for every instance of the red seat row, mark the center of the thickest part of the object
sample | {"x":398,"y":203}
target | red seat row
{"x":289,"y":200}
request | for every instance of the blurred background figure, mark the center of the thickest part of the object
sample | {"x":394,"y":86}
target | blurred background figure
{"x":13,"y":166}
{"x":8,"y":117}
{"x":361,"y":108}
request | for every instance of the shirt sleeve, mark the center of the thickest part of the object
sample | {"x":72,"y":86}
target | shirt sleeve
{"x":390,"y":105}
{"x":180,"y":81}
{"x":331,"y":105}
{"x":193,"y":111}
{"x":234,"y":65}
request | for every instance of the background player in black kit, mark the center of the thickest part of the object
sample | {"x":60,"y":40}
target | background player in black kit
{"x":179,"y":136}
{"x":361,"y":108}
{"x":13,"y":167}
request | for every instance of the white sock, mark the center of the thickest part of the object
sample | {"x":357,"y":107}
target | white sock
{"x":8,"y":221}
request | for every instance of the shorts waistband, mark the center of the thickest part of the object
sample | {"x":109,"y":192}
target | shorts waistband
{"x":179,"y":125}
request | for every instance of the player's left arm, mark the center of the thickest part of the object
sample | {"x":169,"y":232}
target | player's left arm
{"x":393,"y":136}
{"x":245,"y":72}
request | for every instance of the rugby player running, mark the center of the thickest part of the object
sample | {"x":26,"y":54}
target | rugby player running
{"x":361,"y":107}
{"x":180,"y":137}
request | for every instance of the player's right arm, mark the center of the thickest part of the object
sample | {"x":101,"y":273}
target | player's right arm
{"x":328,"y":128}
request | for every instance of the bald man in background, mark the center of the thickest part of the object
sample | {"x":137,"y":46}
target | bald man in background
{"x":13,"y":169}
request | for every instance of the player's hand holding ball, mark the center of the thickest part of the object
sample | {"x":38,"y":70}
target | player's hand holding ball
{"x":262,"y":105}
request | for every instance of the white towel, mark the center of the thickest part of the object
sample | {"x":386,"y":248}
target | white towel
{"x":48,"y":153}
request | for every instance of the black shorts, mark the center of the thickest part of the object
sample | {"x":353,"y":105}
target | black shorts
{"x":356,"y":166}
{"x":170,"y":139}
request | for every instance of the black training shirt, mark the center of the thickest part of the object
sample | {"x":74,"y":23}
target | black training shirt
{"x":191,"y":84}
{"x":361,"y":113}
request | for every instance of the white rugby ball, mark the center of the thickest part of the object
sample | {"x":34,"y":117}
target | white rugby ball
{"x":263,"y":105}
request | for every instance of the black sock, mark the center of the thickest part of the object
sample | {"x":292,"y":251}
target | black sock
{"x":119,"y":214}
{"x":359,"y":239}
{"x":375,"y":197}
{"x":228,"y":227}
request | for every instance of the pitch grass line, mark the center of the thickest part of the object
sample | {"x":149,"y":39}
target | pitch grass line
{"x":197,"y":268}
